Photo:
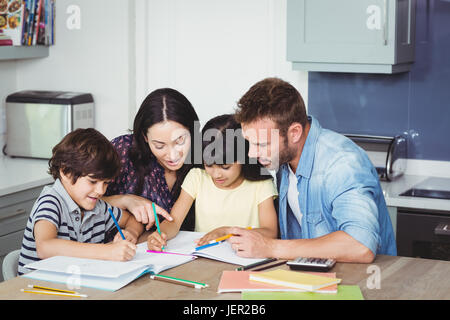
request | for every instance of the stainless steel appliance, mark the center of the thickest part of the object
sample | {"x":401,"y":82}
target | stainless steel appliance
{"x":388,"y":154}
{"x":425,"y":233}
{"x":37,"y":120}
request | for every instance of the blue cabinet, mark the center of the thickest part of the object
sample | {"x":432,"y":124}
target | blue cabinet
{"x":368,"y":36}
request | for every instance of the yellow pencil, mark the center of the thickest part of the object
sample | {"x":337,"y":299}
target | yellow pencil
{"x":51,"y":289}
{"x":226,"y":236}
{"x":52,"y":293}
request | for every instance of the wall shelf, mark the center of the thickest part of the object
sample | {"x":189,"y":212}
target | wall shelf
{"x":23,"y":52}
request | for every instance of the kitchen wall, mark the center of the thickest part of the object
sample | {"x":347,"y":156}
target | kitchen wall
{"x":213,"y":50}
{"x":416,"y":103}
{"x":97,"y":58}
{"x":210,"y":50}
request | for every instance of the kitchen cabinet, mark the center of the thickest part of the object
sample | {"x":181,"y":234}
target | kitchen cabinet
{"x":367,"y":36}
{"x":15,"y":209}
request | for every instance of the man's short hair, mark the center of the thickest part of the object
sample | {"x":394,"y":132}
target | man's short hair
{"x":275,"y":99}
{"x":84,"y":152}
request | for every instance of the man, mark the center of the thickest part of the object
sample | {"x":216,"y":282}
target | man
{"x":330,"y":201}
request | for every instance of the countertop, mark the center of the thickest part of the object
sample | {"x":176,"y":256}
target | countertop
{"x":18,"y":174}
{"x":392,"y":189}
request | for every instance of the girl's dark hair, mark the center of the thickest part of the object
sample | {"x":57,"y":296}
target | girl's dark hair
{"x":84,"y":152}
{"x":223,"y":143}
{"x":164,"y":104}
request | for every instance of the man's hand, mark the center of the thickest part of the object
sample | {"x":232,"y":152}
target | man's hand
{"x":250,"y":244}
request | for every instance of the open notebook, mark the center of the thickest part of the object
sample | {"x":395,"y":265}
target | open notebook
{"x":184,"y":243}
{"x":103,"y":274}
{"x":113,"y":275}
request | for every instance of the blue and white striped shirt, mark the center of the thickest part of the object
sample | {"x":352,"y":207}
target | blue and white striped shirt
{"x":56,"y":206}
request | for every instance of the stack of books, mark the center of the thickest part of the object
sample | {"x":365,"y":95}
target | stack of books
{"x":283,"y":284}
{"x":4,"y":39}
{"x":28,"y":22}
{"x":296,"y":280}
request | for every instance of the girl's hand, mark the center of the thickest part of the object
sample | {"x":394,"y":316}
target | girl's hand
{"x":129,"y":236}
{"x":212,"y":235}
{"x":155,"y":241}
{"x":122,"y":250}
{"x":142,"y":210}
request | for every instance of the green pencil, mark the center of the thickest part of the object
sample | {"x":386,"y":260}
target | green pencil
{"x":189,"y":283}
{"x":157,"y":222}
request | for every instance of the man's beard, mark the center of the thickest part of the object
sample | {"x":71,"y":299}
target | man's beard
{"x":285,"y":155}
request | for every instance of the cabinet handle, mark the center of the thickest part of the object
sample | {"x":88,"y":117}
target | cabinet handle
{"x":18,"y":212}
{"x":442,"y":229}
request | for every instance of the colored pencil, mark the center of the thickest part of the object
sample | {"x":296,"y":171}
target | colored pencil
{"x":187,"y":283}
{"x":156,"y":221}
{"x":226,"y":237}
{"x":165,"y":252}
{"x":52,"y":293}
{"x":207,"y":246}
{"x":116,"y":223}
{"x":51,"y":289}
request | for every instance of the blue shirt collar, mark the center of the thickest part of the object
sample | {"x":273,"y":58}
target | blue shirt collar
{"x":305,"y":164}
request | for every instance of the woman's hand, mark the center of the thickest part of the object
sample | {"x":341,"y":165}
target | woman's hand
{"x":142,"y":210}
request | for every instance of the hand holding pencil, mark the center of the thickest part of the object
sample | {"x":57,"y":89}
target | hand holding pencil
{"x":156,"y":241}
{"x":217,"y":235}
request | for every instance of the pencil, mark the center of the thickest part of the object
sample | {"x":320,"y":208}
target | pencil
{"x":256,"y":264}
{"x":156,"y":221}
{"x":52,"y":293}
{"x":116,"y":223}
{"x":51,"y":289}
{"x":207,"y":246}
{"x":226,"y":237}
{"x":183,"y":282}
{"x":270,"y":266}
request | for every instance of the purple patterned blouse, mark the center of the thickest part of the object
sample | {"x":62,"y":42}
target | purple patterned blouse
{"x":155,"y":186}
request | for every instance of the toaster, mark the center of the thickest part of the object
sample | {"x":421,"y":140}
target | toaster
{"x":37,"y":120}
{"x":388,"y":154}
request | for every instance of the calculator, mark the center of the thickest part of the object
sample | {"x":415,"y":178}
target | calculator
{"x":311,"y":264}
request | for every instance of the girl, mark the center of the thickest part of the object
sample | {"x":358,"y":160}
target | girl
{"x":156,"y":157}
{"x":228,"y":191}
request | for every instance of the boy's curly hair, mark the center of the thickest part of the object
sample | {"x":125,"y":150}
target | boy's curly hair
{"x":84,"y":152}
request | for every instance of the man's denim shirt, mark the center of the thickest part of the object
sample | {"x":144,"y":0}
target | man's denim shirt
{"x":338,"y":190}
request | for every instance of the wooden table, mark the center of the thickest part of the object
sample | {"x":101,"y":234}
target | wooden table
{"x":400,"y":278}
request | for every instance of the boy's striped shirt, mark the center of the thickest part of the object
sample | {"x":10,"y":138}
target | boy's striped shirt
{"x":56,"y":206}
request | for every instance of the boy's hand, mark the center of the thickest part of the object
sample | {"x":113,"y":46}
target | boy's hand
{"x":122,"y":250}
{"x":155,"y":241}
{"x":129,"y":235}
{"x":212,"y":235}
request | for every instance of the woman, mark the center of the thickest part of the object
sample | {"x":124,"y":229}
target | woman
{"x":156,"y":157}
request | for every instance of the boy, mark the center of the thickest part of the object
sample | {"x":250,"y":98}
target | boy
{"x":69,"y":218}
